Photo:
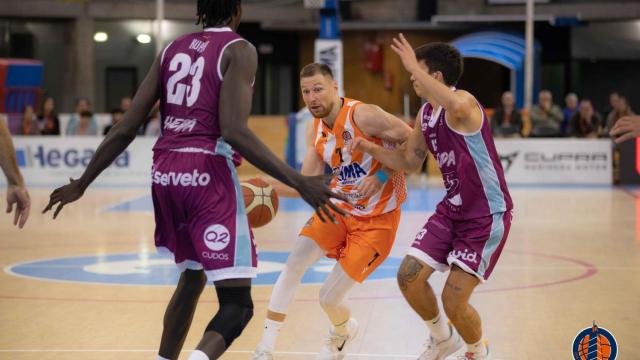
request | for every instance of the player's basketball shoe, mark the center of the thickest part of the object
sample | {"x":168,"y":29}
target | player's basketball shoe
{"x":262,"y":354}
{"x":438,"y":350}
{"x":335,"y":345}
{"x":471,"y":356}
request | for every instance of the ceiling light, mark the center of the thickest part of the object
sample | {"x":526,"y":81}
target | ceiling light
{"x":100,"y":36}
{"x":143,"y":38}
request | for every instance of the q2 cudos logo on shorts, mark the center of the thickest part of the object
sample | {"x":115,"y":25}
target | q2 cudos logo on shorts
{"x":595,"y":343}
{"x":217,"y":237}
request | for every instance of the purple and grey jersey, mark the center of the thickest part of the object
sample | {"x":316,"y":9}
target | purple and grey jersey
{"x":191,"y":79}
{"x":470,"y":166}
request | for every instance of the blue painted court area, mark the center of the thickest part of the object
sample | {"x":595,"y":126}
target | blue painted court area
{"x":417,"y":200}
{"x":157,"y":270}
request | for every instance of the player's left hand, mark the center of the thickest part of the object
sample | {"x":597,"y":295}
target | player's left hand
{"x":625,"y":129}
{"x":64,"y":195}
{"x":369,"y":186}
{"x":405,"y":51}
{"x":19,"y":196}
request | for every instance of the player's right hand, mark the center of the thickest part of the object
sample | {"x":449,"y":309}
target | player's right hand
{"x":626,"y":128}
{"x":314,"y":191}
{"x":64,"y":195}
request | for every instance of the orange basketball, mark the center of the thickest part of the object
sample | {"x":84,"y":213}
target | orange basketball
{"x":260,"y":200}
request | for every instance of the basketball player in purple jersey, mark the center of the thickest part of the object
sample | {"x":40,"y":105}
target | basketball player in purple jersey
{"x":204,"y":83}
{"x":470,"y":226}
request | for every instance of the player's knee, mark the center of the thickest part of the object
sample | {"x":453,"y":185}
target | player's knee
{"x":236,"y":310}
{"x":409,"y":274}
{"x":193,"y":282}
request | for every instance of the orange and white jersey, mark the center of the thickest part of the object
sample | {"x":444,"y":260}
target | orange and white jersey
{"x":349,"y":169}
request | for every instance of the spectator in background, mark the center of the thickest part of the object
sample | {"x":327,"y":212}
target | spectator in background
{"x":29,"y":125}
{"x":85,"y":126}
{"x":586,"y":123}
{"x":506,"y":120}
{"x":125,"y":104}
{"x":116,"y":115}
{"x":614,"y":97}
{"x":82,"y":106}
{"x":571,"y":108}
{"x":546,"y":117}
{"x":48,"y":119}
{"x":620,"y":110}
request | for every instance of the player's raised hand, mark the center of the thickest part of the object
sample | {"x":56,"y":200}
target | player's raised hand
{"x":64,"y":195}
{"x":626,"y":128}
{"x":405,"y":51}
{"x":19,"y":196}
{"x":314,"y":191}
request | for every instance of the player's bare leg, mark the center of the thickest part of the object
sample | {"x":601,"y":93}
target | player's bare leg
{"x":465,"y":318}
{"x":413,"y":277}
{"x":179,"y":312}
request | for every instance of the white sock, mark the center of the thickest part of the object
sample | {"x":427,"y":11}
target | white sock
{"x":342,"y":329}
{"x":162,"y":358}
{"x":270,"y":334}
{"x":439,"y":328}
{"x":198,"y":355}
{"x":477,"y":348}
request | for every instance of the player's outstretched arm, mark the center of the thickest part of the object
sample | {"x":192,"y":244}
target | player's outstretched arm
{"x":239,"y":64}
{"x":463,"y":112}
{"x":16,"y":191}
{"x":312,"y":165}
{"x":408,"y":157}
{"x":116,"y":141}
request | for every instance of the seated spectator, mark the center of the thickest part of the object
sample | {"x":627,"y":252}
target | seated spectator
{"x":546,"y":117}
{"x":586,"y":123}
{"x":116,"y":117}
{"x":49,"y":122}
{"x":614,"y":97}
{"x":506,"y":120}
{"x":571,"y":107}
{"x":125,"y":104}
{"x":82,"y":106}
{"x":29,"y":125}
{"x":620,"y":110}
{"x":85,"y":126}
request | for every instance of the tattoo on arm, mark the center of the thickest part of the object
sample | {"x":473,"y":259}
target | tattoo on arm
{"x":408,"y":272}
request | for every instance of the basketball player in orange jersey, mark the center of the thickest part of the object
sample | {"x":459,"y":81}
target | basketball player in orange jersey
{"x":471,"y":224}
{"x":359,"y":242}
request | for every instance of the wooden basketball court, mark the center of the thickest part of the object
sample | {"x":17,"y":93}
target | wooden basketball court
{"x":572,"y":257}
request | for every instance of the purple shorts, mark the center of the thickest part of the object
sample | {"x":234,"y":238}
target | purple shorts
{"x":474,"y":245}
{"x":200,"y":214}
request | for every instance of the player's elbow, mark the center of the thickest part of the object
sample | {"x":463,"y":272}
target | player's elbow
{"x":232,"y":134}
